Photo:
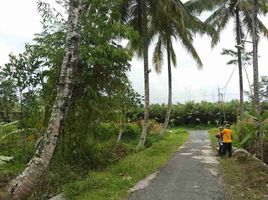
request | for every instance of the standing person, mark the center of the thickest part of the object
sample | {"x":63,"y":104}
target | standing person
{"x":227,"y":138}
{"x":220,"y":144}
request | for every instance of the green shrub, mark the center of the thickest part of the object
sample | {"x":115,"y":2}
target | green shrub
{"x":104,"y":131}
{"x":265,"y":115}
{"x":151,"y":139}
{"x":131,"y":132}
{"x":245,"y":133}
{"x":265,"y":125}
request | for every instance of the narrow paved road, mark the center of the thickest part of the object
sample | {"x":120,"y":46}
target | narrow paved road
{"x":191,"y":174}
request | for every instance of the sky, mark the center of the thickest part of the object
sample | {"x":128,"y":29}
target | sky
{"x":19,"y":21}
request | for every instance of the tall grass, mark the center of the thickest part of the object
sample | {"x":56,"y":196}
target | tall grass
{"x":114,"y":182}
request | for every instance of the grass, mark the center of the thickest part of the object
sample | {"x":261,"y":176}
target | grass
{"x":114,"y":182}
{"x":244,"y":179}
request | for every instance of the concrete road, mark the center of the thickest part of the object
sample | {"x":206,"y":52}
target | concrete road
{"x":191,"y":174}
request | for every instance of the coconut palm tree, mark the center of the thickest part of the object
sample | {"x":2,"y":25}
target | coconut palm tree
{"x":135,"y":13}
{"x":22,"y":186}
{"x":140,"y":17}
{"x":256,"y":96}
{"x":172,"y":21}
{"x":255,"y":26}
{"x":241,"y":12}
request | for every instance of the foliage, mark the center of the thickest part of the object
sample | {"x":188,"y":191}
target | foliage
{"x":191,"y":113}
{"x":114,"y":182}
{"x":247,"y":129}
{"x":97,"y":106}
{"x":223,"y":12}
{"x":8,"y":97}
{"x":263,"y":91}
{"x":246,"y":57}
{"x":131,"y":133}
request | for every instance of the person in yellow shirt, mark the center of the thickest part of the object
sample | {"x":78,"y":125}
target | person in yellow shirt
{"x":227,"y":138}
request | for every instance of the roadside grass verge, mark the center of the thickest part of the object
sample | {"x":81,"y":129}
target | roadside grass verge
{"x":245,"y":179}
{"x":114,"y":182}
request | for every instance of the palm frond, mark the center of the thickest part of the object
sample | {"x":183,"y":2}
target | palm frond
{"x":247,"y":21}
{"x":262,"y":28}
{"x":263,"y":7}
{"x":135,"y":16}
{"x":217,"y":15}
{"x":232,"y":62}
{"x":124,"y":8}
{"x":176,"y":7}
{"x":229,"y":52}
{"x":158,"y":56}
{"x":197,"y":26}
{"x":173,"y":55}
{"x":187,"y":43}
{"x":198,"y":6}
{"x":135,"y":45}
{"x":238,"y":29}
{"x":219,"y":19}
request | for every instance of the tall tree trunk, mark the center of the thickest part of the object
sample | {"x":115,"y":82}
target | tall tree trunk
{"x":23,"y":185}
{"x":239,"y":59}
{"x":146,"y":73}
{"x":256,"y":96}
{"x":255,"y":57}
{"x":164,"y":129}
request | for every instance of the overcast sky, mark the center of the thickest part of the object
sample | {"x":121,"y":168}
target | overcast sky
{"x":19,"y":20}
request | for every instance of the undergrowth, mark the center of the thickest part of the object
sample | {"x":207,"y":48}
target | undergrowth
{"x":114,"y":182}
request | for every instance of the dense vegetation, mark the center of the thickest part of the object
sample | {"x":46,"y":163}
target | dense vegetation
{"x":101,"y":118}
{"x":244,"y":177}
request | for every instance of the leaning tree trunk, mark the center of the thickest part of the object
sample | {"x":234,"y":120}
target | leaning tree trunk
{"x":164,"y":129}
{"x":23,"y":185}
{"x":146,"y":74}
{"x":239,"y":59}
{"x":122,"y":122}
{"x":256,"y":96}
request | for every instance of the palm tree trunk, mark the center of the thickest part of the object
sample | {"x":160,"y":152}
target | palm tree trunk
{"x":23,"y":185}
{"x":255,"y":58}
{"x":163,"y":131}
{"x":256,"y":96}
{"x":146,"y":73}
{"x":238,"y":40}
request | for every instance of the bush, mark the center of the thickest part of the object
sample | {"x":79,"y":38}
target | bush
{"x":245,"y":134}
{"x":131,"y":132}
{"x":104,"y":131}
